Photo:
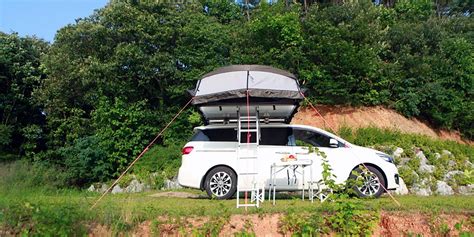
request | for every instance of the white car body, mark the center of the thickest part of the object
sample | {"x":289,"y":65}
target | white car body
{"x":205,"y":155}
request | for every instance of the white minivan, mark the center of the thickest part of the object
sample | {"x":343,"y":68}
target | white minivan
{"x":209,"y":160}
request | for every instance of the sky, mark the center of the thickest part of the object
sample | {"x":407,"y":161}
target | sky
{"x":43,"y":17}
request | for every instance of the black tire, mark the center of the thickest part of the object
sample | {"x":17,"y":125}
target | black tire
{"x":221,"y":183}
{"x":372,"y":182}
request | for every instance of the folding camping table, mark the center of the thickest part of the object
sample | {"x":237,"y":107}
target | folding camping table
{"x":278,"y":167}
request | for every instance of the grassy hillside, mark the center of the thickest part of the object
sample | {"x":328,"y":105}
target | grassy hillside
{"x":31,"y":203}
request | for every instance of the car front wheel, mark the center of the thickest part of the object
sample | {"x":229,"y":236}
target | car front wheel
{"x":369,"y":182}
{"x":221,"y":183}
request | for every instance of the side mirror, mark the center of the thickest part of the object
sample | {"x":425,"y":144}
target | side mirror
{"x":333,"y":143}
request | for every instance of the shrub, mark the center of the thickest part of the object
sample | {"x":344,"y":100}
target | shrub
{"x":85,"y":162}
{"x":158,"y":164}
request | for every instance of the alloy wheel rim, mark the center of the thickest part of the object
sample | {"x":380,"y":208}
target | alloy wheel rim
{"x":371,"y":183}
{"x":220,"y":184}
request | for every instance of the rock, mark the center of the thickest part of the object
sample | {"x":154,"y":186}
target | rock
{"x":103,"y":188}
{"x":404,"y":161}
{"x":117,"y":189}
{"x":442,"y":188}
{"x":446,"y":153}
{"x":418,"y":191}
{"x":451,"y":163}
{"x":398,"y":152}
{"x":135,"y":187}
{"x":91,"y":188}
{"x":402,"y":189}
{"x":424,"y":168}
{"x":450,"y":175}
{"x":172,"y":184}
{"x":466,"y":190}
{"x":422,"y":157}
{"x":421,"y":189}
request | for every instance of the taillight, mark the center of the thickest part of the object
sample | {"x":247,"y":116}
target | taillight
{"x":186,"y":150}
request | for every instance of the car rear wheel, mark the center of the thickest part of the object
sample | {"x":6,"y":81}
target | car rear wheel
{"x":221,"y":183}
{"x":369,"y":182}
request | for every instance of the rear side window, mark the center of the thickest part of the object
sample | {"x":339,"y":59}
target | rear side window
{"x":215,"y":135}
{"x":306,"y":138}
{"x":275,"y":136}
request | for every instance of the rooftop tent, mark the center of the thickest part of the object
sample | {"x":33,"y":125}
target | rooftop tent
{"x":274,"y":93}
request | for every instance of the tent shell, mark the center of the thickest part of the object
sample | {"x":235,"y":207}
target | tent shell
{"x":221,"y":95}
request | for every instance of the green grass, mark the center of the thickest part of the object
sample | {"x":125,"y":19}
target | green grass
{"x":45,"y":211}
{"x":135,"y":208}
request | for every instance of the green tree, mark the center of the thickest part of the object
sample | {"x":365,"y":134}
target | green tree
{"x":20,"y":74}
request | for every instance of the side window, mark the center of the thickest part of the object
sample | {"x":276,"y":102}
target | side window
{"x":275,"y":136}
{"x":216,"y":135}
{"x":310,"y":138}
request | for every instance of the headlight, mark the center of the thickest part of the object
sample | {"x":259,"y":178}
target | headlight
{"x":386,"y":157}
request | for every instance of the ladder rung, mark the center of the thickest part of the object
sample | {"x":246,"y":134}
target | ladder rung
{"x":248,"y":157}
{"x":248,"y":130}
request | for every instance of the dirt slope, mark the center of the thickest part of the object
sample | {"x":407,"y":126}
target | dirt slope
{"x":390,"y":224}
{"x":378,"y":116}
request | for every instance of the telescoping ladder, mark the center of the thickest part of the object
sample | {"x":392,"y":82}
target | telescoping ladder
{"x":248,"y":134}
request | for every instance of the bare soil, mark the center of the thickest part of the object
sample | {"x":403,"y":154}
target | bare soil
{"x":336,"y":117}
{"x":175,"y":194}
{"x":391,"y":224}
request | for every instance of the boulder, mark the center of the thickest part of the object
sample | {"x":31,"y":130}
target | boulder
{"x":402,"y":188}
{"x":404,"y":161}
{"x":117,"y":189}
{"x":103,"y":188}
{"x":398,"y":152}
{"x":135,"y":187}
{"x":421,"y":189}
{"x":446,"y":153}
{"x":466,"y":190}
{"x":418,"y":191}
{"x":442,"y":188}
{"x":171,"y":184}
{"x":450,"y":175}
{"x":422,"y":157}
{"x":424,"y":168}
{"x":451,"y":163}
{"x":91,"y":188}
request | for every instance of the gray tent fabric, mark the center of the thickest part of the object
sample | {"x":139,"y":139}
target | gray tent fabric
{"x":232,"y":82}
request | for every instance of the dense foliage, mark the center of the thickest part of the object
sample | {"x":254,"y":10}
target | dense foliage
{"x":90,"y":101}
{"x":21,"y":73}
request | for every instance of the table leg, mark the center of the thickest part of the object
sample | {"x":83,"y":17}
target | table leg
{"x":303,"y":182}
{"x":270,"y":184}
